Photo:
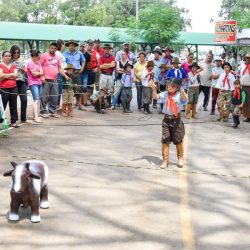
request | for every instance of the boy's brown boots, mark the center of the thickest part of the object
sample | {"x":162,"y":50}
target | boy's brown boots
{"x":180,"y":155}
{"x":165,"y":155}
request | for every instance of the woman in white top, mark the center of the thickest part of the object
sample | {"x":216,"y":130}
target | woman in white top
{"x":226,"y":85}
{"x":60,"y":48}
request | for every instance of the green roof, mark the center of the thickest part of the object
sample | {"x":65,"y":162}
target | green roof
{"x":48,"y":32}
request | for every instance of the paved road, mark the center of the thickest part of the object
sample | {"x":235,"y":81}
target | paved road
{"x":107,"y":191}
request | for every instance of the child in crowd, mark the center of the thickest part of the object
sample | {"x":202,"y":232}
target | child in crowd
{"x":238,"y":100}
{"x":99,"y":100}
{"x":127,"y":82}
{"x":162,"y":81}
{"x":178,"y":72}
{"x":172,"y":126}
{"x":193,"y":93}
{"x":225,"y":85}
{"x":147,"y":80}
{"x":67,"y":92}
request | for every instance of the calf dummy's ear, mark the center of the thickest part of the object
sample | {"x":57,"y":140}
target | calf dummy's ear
{"x":8,"y":173}
{"x":14,"y":164}
{"x":34,"y":176}
{"x":27,"y":165}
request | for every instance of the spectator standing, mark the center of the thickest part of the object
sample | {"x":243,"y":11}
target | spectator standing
{"x":60,"y":48}
{"x":206,"y":79}
{"x":107,"y":66}
{"x":130,"y":55}
{"x":51,"y":66}
{"x":167,"y":57}
{"x":216,"y":72}
{"x":233,"y":61}
{"x":76,"y":58}
{"x":17,"y":60}
{"x":35,"y":74}
{"x":8,"y":88}
{"x":226,"y":85}
{"x":97,"y":47}
{"x":245,"y":83}
{"x":118,"y":84}
{"x":139,"y":67}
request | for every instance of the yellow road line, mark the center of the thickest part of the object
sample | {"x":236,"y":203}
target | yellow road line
{"x":187,"y":230}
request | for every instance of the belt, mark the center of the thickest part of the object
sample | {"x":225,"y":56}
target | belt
{"x":127,"y":87}
{"x":172,"y":117}
{"x":107,"y":74}
{"x":50,"y":80}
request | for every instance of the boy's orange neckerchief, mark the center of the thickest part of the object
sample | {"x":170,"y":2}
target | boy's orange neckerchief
{"x":171,"y":103}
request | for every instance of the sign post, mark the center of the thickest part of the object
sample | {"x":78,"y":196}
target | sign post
{"x":226,"y":32}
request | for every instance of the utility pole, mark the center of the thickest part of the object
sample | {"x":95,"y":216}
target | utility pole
{"x":137,"y":9}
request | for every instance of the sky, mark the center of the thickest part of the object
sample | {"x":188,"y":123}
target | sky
{"x":201,"y":12}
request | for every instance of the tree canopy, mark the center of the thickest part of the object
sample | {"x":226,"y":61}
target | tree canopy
{"x":236,"y":10}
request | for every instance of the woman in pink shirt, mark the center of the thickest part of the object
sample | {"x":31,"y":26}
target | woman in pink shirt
{"x":35,"y":73}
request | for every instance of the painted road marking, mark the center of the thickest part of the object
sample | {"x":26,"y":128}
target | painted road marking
{"x":186,"y":224}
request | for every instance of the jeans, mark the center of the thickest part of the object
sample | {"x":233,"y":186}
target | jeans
{"x":215,"y":93}
{"x":22,"y":91}
{"x":85,"y":82}
{"x":49,"y":96}
{"x":36,"y":91}
{"x":139,"y":94}
{"x":10,"y":95}
{"x":59,"y":79}
{"x":117,"y":93}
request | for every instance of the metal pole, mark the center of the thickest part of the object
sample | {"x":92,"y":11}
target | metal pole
{"x":137,"y":9}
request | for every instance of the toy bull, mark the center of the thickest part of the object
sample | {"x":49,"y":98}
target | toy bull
{"x":29,"y":188}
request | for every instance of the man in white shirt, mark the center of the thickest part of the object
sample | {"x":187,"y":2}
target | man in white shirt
{"x":216,"y":72}
{"x":206,"y":79}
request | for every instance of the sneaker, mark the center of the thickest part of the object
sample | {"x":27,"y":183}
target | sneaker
{"x":212,"y":113}
{"x":129,"y":111}
{"x":54,"y":115}
{"x":38,"y":120}
{"x":46,"y":116}
{"x":204,"y":108}
{"x":112,"y":108}
{"x":235,"y":126}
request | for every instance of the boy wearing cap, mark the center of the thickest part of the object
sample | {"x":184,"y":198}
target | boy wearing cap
{"x":147,"y":79}
{"x":225,"y":85}
{"x":127,"y":83}
{"x":238,"y":101}
{"x":67,"y":92}
{"x":193,"y":93}
{"x":99,"y":100}
{"x":172,"y":127}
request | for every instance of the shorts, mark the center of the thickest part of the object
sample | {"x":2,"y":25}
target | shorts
{"x":36,"y":91}
{"x":67,"y":96}
{"x":172,"y":131}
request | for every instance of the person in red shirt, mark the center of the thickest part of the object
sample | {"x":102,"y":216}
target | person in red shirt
{"x":97,"y":47}
{"x":107,"y":66}
{"x":8,"y":87}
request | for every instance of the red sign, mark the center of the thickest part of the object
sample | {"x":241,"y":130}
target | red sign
{"x":226,"y":31}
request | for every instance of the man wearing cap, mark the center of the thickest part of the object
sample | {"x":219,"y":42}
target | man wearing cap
{"x":206,"y":79}
{"x":97,"y":47}
{"x":51,"y":66}
{"x":130,"y":55}
{"x":157,"y":69}
{"x":93,"y":64}
{"x":167,"y":58}
{"x":216,"y":72}
{"x":76,"y":58}
{"x":245,"y":82}
{"x":107,"y":66}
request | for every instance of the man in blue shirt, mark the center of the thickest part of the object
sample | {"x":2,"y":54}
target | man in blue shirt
{"x":77,"y":59}
{"x":167,"y":58}
{"x":130,"y":55}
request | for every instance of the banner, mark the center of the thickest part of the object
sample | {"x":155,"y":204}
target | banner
{"x":226,"y":32}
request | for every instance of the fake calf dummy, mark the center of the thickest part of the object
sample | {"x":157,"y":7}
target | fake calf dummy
{"x":29,"y":188}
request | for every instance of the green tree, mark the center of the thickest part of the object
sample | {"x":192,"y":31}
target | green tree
{"x":236,"y":10}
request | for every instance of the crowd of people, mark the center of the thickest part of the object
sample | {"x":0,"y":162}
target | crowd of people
{"x":66,"y":76}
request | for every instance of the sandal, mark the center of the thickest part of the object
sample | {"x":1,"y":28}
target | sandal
{"x":15,"y":125}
